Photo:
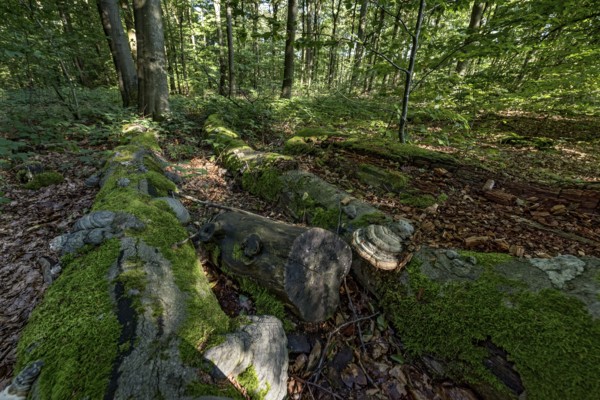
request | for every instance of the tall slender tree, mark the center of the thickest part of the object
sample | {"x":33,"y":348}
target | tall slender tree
{"x":474,"y":25}
{"x":288,"y":65}
{"x":119,"y":49}
{"x":230,"y":54}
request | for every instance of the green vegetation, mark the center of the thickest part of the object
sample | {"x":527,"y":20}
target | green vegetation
{"x":44,"y":179}
{"x":552,"y":340}
{"x":74,"y":330}
{"x":249,"y":380}
{"x":265,"y":302}
{"x":382,"y":178}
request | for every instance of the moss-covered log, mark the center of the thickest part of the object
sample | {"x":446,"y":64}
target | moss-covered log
{"x":131,"y":316}
{"x":304,"y":267}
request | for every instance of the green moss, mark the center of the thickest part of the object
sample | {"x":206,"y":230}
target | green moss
{"x":487,"y":259}
{"x":325,"y":218}
{"x":205,"y":317}
{"x":374,"y":218}
{"x":222,"y":389}
{"x":382,"y":178}
{"x":133,"y":278}
{"x":414,"y":199}
{"x":264,"y":301}
{"x":392,"y":150}
{"x":249,"y":380}
{"x":74,"y":330}
{"x":162,"y":184}
{"x":44,"y":179}
{"x":300,"y":145}
{"x":552,"y":340}
{"x":265,"y":183}
{"x":146,"y":139}
{"x":319,"y":132}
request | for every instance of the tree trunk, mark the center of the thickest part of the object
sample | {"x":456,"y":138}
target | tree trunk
{"x":358,"y":45}
{"x":288,"y":70}
{"x":130,"y":26}
{"x":222,"y":63}
{"x":153,"y":91}
{"x":335,"y":13}
{"x":119,"y":48}
{"x":308,"y":39}
{"x":229,"y":13}
{"x":304,"y":267}
{"x":474,"y":24}
{"x":409,"y":73}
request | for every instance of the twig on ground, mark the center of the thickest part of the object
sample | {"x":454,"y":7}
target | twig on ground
{"x":309,"y":383}
{"x":215,"y":205}
{"x":351,"y":304}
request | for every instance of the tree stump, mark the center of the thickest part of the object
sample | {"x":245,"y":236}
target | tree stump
{"x":304,"y":267}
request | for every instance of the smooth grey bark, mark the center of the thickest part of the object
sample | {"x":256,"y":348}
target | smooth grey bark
{"x":119,"y":49}
{"x":474,"y":25}
{"x":309,"y":37}
{"x":230,"y":56}
{"x":222,"y":64}
{"x":288,"y":65}
{"x":153,"y":91}
{"x":130,"y":26}
{"x":409,"y":73}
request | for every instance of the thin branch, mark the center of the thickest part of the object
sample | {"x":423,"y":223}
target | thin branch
{"x":378,"y":53}
{"x":309,"y":383}
{"x":216,"y":205}
{"x":396,"y":17}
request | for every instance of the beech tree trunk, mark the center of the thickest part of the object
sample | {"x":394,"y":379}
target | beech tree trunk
{"x":222,"y":64}
{"x":474,"y":25}
{"x":130,"y":26}
{"x":232,"y":84}
{"x":153,"y":91}
{"x":288,"y":70}
{"x":304,"y":267}
{"x":120,"y":50}
{"x":358,"y":45}
{"x":409,"y":73}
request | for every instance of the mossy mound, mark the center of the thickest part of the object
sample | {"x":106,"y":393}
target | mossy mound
{"x":540,"y":143}
{"x":449,"y":308}
{"x":309,"y":140}
{"x":44,"y":179}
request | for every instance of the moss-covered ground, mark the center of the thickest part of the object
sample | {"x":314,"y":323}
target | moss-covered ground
{"x":44,"y":179}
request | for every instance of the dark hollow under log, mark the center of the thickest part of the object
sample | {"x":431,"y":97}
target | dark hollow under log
{"x":304,"y":267}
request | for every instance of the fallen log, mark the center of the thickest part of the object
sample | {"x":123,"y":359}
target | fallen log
{"x":304,"y":267}
{"x":131,"y":315}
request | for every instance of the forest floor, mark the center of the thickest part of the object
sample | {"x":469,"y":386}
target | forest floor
{"x":362,"y":357}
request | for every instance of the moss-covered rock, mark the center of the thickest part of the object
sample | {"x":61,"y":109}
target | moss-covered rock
{"x":384,"y":179}
{"x":44,"y":179}
{"x":458,"y":307}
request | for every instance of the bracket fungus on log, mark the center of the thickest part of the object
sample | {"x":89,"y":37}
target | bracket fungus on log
{"x":304,"y":267}
{"x":382,"y":246}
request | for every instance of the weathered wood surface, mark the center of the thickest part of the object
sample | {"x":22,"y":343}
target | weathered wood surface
{"x":304,"y":267}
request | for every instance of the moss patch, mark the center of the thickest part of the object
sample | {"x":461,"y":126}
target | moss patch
{"x":44,"y":179}
{"x":552,"y":340}
{"x":249,"y":380}
{"x":222,"y":389}
{"x":265,"y":302}
{"x":381,"y":178}
{"x":74,"y":330}
{"x":265,"y":183}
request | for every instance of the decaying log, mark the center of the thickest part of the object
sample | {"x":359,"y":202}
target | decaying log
{"x":304,"y":267}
